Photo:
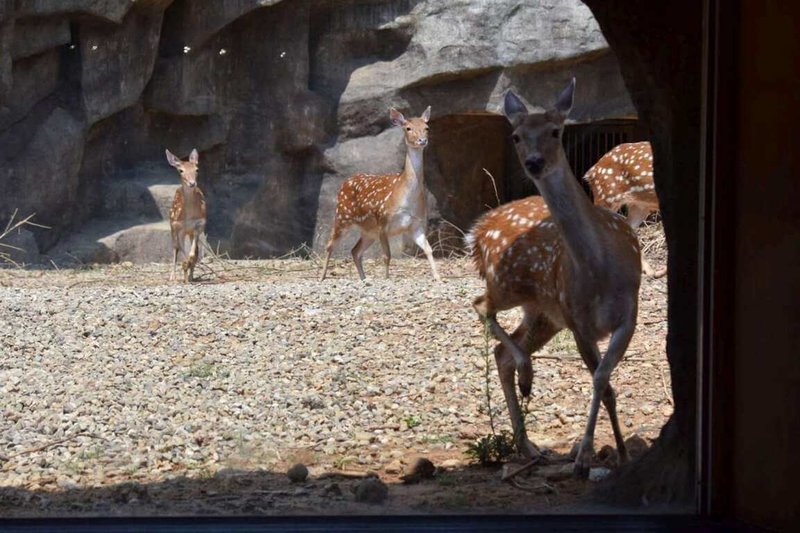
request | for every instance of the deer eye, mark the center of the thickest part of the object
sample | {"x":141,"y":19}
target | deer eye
{"x":556,"y":133}
{"x":515,"y":138}
{"x":180,"y":170}
{"x":408,"y":128}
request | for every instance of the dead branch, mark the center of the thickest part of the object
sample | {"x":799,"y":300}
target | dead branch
{"x":517,"y":471}
{"x":49,"y":445}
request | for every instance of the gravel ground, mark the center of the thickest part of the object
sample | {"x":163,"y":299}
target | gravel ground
{"x":123,"y":393}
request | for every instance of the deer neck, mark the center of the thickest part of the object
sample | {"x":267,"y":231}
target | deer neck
{"x":574,"y":215}
{"x":191,"y":202}
{"x":412,"y":171}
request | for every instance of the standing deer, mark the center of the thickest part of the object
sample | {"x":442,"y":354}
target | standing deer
{"x":566,"y":262}
{"x":387,"y":205}
{"x":624,"y":176}
{"x":187,"y":217}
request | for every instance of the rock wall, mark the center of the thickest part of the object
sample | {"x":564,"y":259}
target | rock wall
{"x":283,"y":100}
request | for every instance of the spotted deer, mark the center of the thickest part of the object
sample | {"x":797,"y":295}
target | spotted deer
{"x":386,"y":205}
{"x":567,"y":263}
{"x":624,"y":176}
{"x":187,"y":217}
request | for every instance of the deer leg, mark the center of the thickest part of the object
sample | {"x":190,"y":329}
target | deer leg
{"x":387,"y":251}
{"x":335,"y":236}
{"x":505,"y":368}
{"x":521,"y":359}
{"x":602,"y":391}
{"x":591,"y":356}
{"x":534,"y":331}
{"x":193,"y":253}
{"x":422,"y":242}
{"x":636,"y":215}
{"x":363,"y":243}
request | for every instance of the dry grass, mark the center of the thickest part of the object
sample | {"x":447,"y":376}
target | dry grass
{"x":11,"y":226}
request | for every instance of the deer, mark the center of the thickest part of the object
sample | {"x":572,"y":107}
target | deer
{"x":624,"y":176}
{"x":566,"y":262}
{"x":187,"y":216}
{"x":386,"y":205}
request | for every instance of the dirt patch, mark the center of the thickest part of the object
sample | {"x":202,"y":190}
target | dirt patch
{"x":127,"y":395}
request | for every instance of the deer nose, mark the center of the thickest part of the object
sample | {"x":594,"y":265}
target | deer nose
{"x":423,"y":141}
{"x":534,"y":164}
{"x":192,"y":184}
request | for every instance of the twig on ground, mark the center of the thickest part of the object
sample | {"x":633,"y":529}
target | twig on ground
{"x":517,"y":471}
{"x":494,"y":184}
{"x":49,"y":445}
{"x":666,"y":389}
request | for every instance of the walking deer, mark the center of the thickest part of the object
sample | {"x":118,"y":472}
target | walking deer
{"x":187,"y":217}
{"x":566,"y":262}
{"x":624,"y":176}
{"x":386,"y":205}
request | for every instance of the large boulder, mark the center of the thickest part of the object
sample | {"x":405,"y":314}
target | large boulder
{"x":117,"y":62}
{"x":283,"y":100}
{"x":43,"y":179}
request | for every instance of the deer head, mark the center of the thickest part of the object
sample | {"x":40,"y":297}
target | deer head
{"x":537,"y":136}
{"x":414,"y":129}
{"x":187,"y":169}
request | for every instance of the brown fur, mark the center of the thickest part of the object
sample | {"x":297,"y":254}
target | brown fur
{"x":567,"y":263}
{"x":624,"y":176}
{"x":187,"y":216}
{"x":386,"y":205}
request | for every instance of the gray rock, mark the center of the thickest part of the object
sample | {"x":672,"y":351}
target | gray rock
{"x":117,"y":63}
{"x":371,"y":490}
{"x":284,"y":100}
{"x":110,"y":10}
{"x":20,"y":247}
{"x":34,"y":36}
{"x":297,"y":473}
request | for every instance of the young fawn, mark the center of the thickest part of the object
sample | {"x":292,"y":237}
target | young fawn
{"x":566,"y":262}
{"x":387,"y":205}
{"x":624,"y":176}
{"x":187,"y":217}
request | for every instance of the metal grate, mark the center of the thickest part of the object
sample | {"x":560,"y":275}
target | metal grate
{"x":588,"y":142}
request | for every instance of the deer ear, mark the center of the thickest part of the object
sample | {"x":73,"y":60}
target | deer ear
{"x":174,"y":161}
{"x":397,"y":117}
{"x":513,"y":107}
{"x":426,"y":115}
{"x":565,"y":99}
{"x":194,"y":157}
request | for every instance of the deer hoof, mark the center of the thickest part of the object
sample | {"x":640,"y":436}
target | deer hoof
{"x":583,"y":463}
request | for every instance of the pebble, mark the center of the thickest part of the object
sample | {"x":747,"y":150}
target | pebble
{"x":371,"y":490}
{"x":208,"y":377}
{"x":297,"y":473}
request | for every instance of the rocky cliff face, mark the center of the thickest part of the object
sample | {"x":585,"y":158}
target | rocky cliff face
{"x":283,"y":100}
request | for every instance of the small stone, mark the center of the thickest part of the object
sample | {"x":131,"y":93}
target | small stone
{"x":451,"y":463}
{"x":424,"y":468}
{"x":395,"y":467}
{"x":596,"y":474}
{"x":298,"y":473}
{"x":333,"y":490}
{"x":371,"y":490}
{"x":608,"y":456}
{"x":556,"y":472}
{"x":636,"y":446}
